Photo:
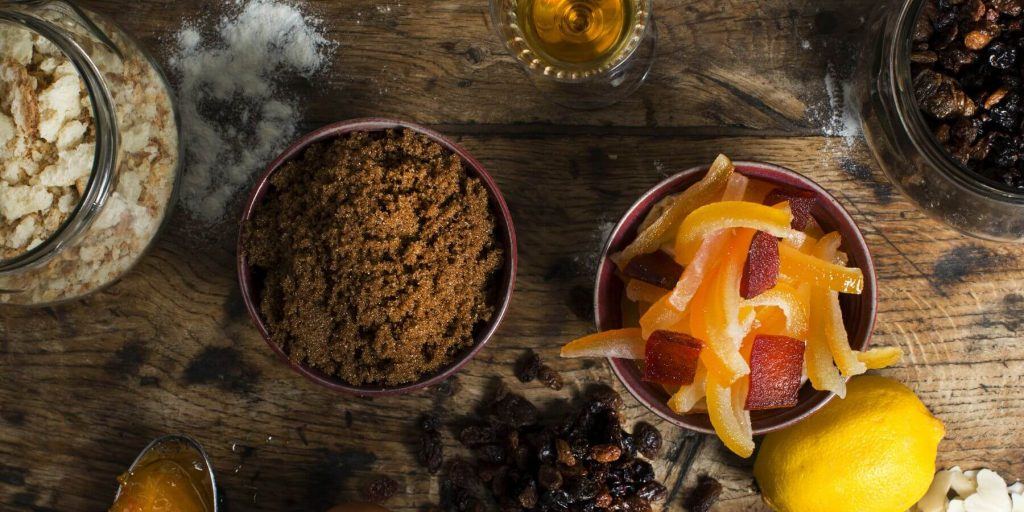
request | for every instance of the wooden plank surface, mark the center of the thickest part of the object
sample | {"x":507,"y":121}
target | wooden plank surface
{"x":169,"y":348}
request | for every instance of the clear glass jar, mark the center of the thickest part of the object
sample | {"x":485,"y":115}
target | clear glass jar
{"x":589,"y":85}
{"x":129,"y":122}
{"x":908,"y":152}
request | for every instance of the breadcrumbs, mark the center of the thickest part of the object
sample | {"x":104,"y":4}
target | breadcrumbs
{"x":379,"y":254}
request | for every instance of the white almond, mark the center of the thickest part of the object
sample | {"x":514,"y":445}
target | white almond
{"x":963,"y":483}
{"x":992,"y":495}
{"x":935,"y":499}
{"x":1018,"y":503}
{"x":1017,"y":488}
{"x":956,"y":505}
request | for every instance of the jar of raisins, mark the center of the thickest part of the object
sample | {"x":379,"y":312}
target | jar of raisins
{"x":949,"y":185}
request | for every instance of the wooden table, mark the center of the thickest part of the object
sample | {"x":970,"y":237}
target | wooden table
{"x":169,"y":348}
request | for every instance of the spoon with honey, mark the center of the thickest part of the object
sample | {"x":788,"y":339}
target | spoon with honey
{"x":172,"y":474}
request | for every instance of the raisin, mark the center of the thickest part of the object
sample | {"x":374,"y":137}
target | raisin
{"x":603,"y":397}
{"x":492,"y":453}
{"x":514,"y":410}
{"x":584,"y":488}
{"x":704,"y":496}
{"x":550,"y":377}
{"x":528,"y":367}
{"x":380,"y":490}
{"x":605,"y":453}
{"x":476,"y":435}
{"x":431,"y":451}
{"x":461,"y":473}
{"x":565,"y":455}
{"x":1002,"y":56}
{"x":648,"y":440}
{"x":549,"y":477}
{"x":636,"y":504}
{"x":652,"y":491}
{"x":528,"y":496}
{"x":429,"y":423}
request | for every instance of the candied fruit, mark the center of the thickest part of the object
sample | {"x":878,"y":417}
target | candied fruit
{"x":639,"y":291}
{"x":620,"y":343}
{"x":761,"y":271}
{"x":671,"y":358}
{"x":656,"y":268}
{"x":661,"y":230}
{"x":801,"y":202}
{"x":801,"y":267}
{"x":731,"y":214}
{"x":776,"y":364}
{"x":731,"y":421}
{"x":882,"y":357}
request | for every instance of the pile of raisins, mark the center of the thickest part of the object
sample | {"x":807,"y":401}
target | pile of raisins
{"x":588,"y":463}
{"x":530,"y":368}
{"x":968,"y":82}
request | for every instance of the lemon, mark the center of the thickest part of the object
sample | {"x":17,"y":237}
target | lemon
{"x":871,"y":452}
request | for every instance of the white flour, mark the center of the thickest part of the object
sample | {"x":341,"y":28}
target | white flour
{"x":235,"y":115}
{"x":835,"y":115}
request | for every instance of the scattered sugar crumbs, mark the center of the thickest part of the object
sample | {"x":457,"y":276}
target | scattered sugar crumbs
{"x":380,"y":257}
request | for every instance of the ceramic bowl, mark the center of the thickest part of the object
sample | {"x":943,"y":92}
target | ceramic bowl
{"x":251,"y":282}
{"x":858,"y":310}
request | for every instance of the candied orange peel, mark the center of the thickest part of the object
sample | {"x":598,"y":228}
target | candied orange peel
{"x":731,"y":214}
{"x":622,"y":343}
{"x":661,"y":229}
{"x":798,"y":266}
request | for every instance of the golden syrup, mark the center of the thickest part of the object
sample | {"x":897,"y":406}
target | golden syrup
{"x":170,"y":478}
{"x":577,"y":32}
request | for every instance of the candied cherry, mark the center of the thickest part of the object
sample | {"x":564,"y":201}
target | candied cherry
{"x":801,"y":202}
{"x":761,"y":271}
{"x":671,"y":358}
{"x":776,"y":364}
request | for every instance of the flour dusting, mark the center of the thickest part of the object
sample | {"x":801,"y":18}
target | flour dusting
{"x":235,"y":113}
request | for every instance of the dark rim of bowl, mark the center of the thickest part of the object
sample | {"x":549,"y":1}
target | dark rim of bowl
{"x":504,"y":225}
{"x":776,"y":175}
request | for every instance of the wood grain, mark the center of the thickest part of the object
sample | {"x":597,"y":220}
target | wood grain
{"x":169,"y":348}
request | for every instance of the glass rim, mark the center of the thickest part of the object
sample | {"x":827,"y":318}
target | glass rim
{"x":101,"y":178}
{"x":542,"y":66}
{"x":908,"y":112}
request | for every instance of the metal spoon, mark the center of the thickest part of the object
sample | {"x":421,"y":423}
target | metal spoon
{"x":191,"y":444}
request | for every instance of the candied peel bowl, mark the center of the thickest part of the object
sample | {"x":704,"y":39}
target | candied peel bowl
{"x":858,"y":310}
{"x":251,"y":283}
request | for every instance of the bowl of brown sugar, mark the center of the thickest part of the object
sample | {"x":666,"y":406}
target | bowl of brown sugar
{"x":376,"y":257}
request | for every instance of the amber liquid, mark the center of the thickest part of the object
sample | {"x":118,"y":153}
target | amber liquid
{"x":577,"y":32}
{"x":170,"y":478}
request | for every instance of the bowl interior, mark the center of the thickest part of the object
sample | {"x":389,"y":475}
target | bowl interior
{"x":858,"y":310}
{"x":251,"y":281}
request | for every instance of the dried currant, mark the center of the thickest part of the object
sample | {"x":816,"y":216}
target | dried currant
{"x":648,"y":440}
{"x":380,"y":490}
{"x":704,"y":496}
{"x":528,"y":367}
{"x":550,"y":377}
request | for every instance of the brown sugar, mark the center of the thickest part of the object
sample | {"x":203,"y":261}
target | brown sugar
{"x":378,"y":255}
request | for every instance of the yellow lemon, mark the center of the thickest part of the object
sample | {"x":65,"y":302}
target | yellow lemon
{"x":872,"y":452}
